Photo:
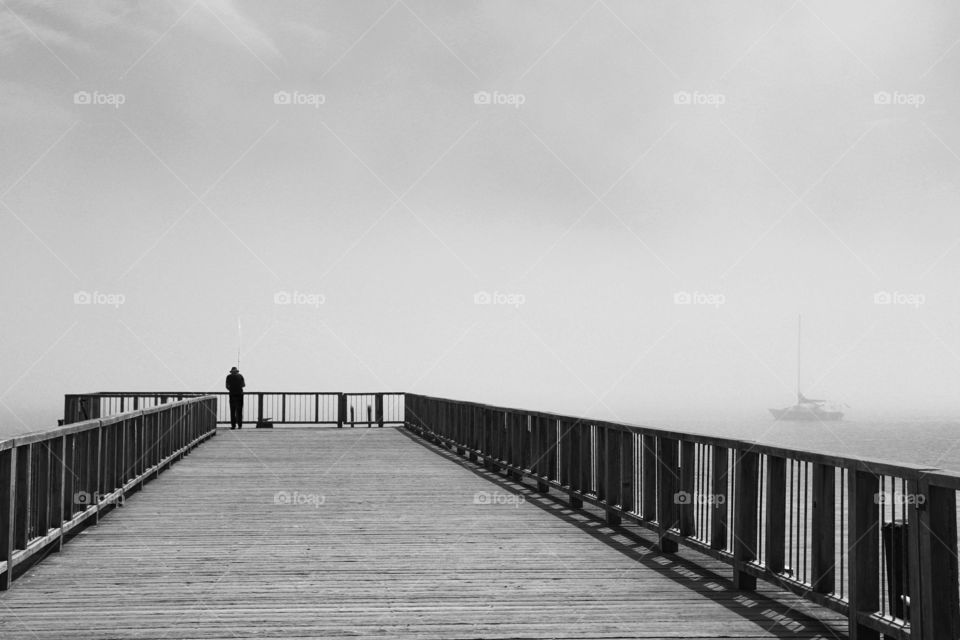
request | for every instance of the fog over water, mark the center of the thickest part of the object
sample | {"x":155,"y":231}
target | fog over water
{"x":610,"y":209}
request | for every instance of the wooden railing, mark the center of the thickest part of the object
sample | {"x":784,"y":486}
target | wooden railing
{"x":873,"y":540}
{"x":54,"y":483}
{"x":278,"y":407}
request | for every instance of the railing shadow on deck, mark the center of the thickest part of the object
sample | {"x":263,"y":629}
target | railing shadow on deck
{"x":782,"y":620}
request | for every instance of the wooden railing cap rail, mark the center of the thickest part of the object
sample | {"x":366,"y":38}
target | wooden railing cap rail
{"x":246,"y":391}
{"x":76,"y":427}
{"x":876,"y":466}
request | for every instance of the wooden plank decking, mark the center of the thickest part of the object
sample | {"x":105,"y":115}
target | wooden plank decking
{"x":387,"y":541}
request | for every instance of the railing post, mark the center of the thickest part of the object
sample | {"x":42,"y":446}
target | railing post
{"x":747,"y":467}
{"x":518,"y":429}
{"x":574,"y":472}
{"x":628,"y":471}
{"x":824,"y":529}
{"x":544,"y":453}
{"x":476,"y":432}
{"x":42,"y":474}
{"x":721,"y":499}
{"x":552,"y":448}
{"x":97,"y":474}
{"x":58,"y":465}
{"x":776,"y":507}
{"x":649,"y":486}
{"x":586,"y":455}
{"x":613,"y":482}
{"x":259,"y":407}
{"x":8,"y":513}
{"x":863,"y":551}
{"x":342,"y":409}
{"x":935,"y":529}
{"x":687,"y":524}
{"x":69,"y":477}
{"x":379,"y":405}
{"x":667,"y":484}
{"x":23,"y":504}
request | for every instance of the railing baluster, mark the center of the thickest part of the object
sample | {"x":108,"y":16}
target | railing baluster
{"x":649,"y":487}
{"x":746,"y":465}
{"x":863,"y":551}
{"x":667,"y":487}
{"x":613,"y":482}
{"x":628,"y":471}
{"x":823,"y":525}
{"x":776,"y":514}
{"x":721,"y":500}
{"x":8,"y":513}
{"x":24,"y":505}
{"x":687,"y":489}
{"x":935,"y":529}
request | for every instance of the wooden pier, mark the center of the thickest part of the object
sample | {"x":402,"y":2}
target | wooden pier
{"x":416,"y":516}
{"x":375,"y":533}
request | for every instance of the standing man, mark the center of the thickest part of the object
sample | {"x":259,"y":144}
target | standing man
{"x":235,"y":385}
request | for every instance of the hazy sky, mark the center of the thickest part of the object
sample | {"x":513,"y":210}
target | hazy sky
{"x":183,"y":165}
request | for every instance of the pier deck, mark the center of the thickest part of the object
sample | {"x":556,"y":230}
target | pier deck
{"x":382,"y":538}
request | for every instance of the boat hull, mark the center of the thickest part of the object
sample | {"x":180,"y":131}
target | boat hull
{"x":806,"y":414}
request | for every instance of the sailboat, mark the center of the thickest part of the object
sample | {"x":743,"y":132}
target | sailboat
{"x":807,"y":409}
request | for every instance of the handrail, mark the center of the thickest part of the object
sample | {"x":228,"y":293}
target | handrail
{"x":332,"y":408}
{"x":53,"y":483}
{"x":826,"y":527}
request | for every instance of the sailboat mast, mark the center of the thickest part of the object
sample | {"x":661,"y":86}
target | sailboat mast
{"x":799,"y":396}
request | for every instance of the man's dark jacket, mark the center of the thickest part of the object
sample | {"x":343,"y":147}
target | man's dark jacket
{"x":235,"y":384}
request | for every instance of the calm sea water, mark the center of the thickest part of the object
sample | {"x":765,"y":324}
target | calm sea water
{"x":928,"y":441}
